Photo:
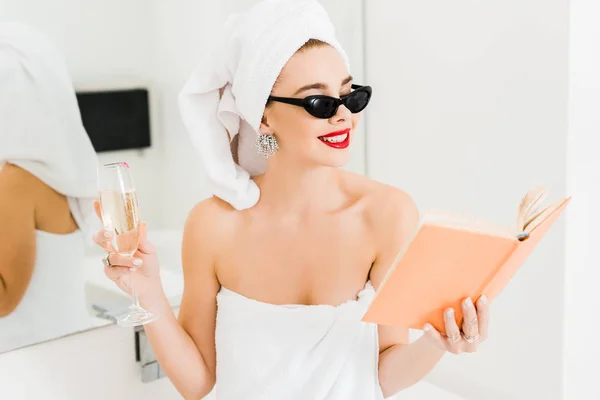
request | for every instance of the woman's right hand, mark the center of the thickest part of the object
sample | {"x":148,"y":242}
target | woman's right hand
{"x":143,"y":266}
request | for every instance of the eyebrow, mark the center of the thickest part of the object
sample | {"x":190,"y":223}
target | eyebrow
{"x":321,"y":86}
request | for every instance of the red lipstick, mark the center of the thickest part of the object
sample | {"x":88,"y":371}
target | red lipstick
{"x":334,"y":139}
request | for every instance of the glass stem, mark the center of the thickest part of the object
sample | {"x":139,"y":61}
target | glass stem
{"x":136,"y":301}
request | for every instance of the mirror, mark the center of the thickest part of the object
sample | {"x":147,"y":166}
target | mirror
{"x":97,"y":101}
{"x":121,"y":66}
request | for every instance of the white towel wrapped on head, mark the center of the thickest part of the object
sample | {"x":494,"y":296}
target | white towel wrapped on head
{"x":226,"y":95}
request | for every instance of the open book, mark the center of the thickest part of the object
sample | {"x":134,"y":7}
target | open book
{"x":452,"y":256}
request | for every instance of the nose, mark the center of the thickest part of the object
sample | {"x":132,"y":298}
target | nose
{"x":342,"y":115}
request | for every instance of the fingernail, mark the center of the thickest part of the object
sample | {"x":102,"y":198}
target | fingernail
{"x":450,"y":312}
{"x":137,"y":261}
{"x":133,"y":269}
{"x":468,"y":302}
{"x":107,"y":234}
{"x":427,"y":328}
{"x":483,"y":299}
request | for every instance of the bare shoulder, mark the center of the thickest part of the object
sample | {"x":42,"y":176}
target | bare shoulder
{"x":382,"y":203}
{"x":392,"y":216}
{"x":211,"y":213}
{"x":385,"y":201}
{"x":208,"y":225}
{"x":389,"y":204}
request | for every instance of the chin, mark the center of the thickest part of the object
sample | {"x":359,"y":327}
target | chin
{"x":335,"y":160}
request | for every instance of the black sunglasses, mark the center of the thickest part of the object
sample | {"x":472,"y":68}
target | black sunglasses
{"x":322,"y":106}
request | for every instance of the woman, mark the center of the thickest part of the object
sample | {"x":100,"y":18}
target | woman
{"x":279,"y":268}
{"x":47,"y":186}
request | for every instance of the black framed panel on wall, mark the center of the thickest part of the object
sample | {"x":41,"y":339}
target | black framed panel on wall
{"x":116,"y":119}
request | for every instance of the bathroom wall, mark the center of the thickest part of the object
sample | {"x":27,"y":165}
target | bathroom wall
{"x":470,"y":111}
{"x":582,"y":274}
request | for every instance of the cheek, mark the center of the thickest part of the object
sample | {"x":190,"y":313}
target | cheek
{"x":355,"y":120}
{"x":298,"y":127}
{"x":285,"y":119}
{"x":308,"y":129}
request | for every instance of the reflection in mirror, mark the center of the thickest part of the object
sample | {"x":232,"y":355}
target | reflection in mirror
{"x":52,"y":137}
{"x":47,"y":185}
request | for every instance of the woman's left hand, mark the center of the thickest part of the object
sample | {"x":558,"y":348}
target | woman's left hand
{"x":474,"y":329}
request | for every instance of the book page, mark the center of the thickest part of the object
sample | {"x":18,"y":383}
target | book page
{"x":541,"y":216}
{"x":530,"y":212}
{"x":465,"y":222}
{"x":529,"y":206}
{"x":530,"y":216}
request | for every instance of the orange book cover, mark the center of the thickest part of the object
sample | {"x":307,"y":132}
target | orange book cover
{"x":445,"y":263}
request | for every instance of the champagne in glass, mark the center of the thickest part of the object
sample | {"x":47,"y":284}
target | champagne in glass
{"x":121,"y":213}
{"x":121,"y":216}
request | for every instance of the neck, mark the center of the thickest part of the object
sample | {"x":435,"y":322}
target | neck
{"x":296,"y":187}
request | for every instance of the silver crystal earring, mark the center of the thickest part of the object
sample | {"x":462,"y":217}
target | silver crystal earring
{"x":266,"y":145}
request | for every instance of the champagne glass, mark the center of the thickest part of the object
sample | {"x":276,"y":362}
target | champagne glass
{"x":121,"y":216}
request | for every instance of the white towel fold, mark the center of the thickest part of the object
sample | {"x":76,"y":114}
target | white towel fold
{"x":40,"y":124}
{"x":226,"y":95}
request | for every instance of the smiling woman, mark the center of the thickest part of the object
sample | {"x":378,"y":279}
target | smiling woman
{"x":288,"y":250}
{"x":282,"y":261}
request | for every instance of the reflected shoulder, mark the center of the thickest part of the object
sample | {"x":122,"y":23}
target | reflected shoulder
{"x":19,"y":187}
{"x":14,"y":177}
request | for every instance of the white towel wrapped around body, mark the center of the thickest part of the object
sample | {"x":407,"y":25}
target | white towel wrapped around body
{"x":296,"y":352}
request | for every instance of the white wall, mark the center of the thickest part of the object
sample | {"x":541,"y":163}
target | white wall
{"x":582,"y":274}
{"x":466,"y":94}
{"x":182,"y":30}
